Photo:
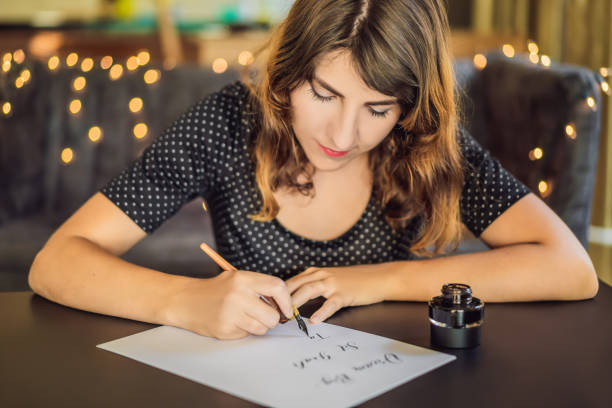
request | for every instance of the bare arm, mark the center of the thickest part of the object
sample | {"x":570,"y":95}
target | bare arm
{"x":535,"y":256}
{"x":80,"y":267}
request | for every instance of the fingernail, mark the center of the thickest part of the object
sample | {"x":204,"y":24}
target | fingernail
{"x":314,"y":319}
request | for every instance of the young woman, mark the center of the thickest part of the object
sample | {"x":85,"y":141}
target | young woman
{"x":327,"y":178}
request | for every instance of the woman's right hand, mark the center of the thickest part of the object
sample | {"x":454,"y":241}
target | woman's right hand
{"x":228,"y":306}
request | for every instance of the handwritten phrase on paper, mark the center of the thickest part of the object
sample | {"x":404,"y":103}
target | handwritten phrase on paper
{"x":346,"y":347}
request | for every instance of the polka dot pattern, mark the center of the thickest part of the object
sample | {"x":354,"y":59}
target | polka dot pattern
{"x":489,"y":189}
{"x":205,"y":152}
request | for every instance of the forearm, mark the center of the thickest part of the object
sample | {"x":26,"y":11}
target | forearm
{"x":78,"y":273}
{"x":522,"y":272}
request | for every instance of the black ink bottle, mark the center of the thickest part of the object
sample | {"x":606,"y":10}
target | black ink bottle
{"x":455,"y":317}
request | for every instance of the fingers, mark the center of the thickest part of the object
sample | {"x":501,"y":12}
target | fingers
{"x":330,"y":306}
{"x":301,"y":278}
{"x":252,"y":326}
{"x":274,"y":287}
{"x":310,"y":290}
{"x":263,"y":313}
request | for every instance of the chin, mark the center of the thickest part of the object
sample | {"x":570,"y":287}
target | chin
{"x":324,"y":163}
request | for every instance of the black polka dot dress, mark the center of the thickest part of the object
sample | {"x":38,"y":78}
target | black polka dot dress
{"x":205,"y":153}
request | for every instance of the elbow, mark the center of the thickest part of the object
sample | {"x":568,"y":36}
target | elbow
{"x":35,"y":278}
{"x":40,"y":275}
{"x":586,"y":281}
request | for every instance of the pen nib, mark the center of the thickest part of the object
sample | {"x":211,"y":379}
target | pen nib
{"x":301,"y":324}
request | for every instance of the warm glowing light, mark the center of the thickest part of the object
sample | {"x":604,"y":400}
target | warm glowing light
{"x":245,"y":58}
{"x":151,"y":76}
{"x":570,"y":131}
{"x":204,"y":206}
{"x":534,"y":58}
{"x":106,"y":62}
{"x":19,"y":56}
{"x":132,"y":63}
{"x":591,"y":102}
{"x":135,"y":104}
{"x":79,"y":83}
{"x":8,"y":57}
{"x":95,"y":133}
{"x":6,"y":108}
{"x":72,"y":59}
{"x":536,"y":154}
{"x":533,"y":47}
{"x":19,"y":82}
{"x":75,"y":106}
{"x":87,"y":64}
{"x":140,"y":130}
{"x":67,"y":155}
{"x":604,"y":71}
{"x":115,"y":72}
{"x":6,"y":66}
{"x":605,"y":86}
{"x":25,"y":74}
{"x":508,"y":50}
{"x":544,"y":188}
{"x":545,"y":60}
{"x":480,"y":61}
{"x":219,"y":65}
{"x":144,"y":57}
{"x":53,"y":63}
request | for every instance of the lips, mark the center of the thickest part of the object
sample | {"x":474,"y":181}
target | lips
{"x":331,"y":152}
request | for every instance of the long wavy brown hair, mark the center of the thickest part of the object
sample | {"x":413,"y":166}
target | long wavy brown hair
{"x":399,"y":48}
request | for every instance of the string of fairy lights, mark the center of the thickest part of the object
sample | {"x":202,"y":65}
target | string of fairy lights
{"x":480,"y":62}
{"x":15,"y":61}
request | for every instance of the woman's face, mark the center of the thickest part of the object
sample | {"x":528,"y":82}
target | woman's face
{"x":336,"y":117}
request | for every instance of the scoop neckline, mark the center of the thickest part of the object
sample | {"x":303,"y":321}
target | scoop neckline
{"x":330,"y":242}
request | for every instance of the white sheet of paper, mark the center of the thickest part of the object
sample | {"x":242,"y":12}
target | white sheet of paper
{"x":334,"y":367}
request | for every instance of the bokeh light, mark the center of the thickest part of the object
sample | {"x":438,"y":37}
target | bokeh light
{"x":67,"y":155}
{"x":245,"y":58}
{"x":72,"y":59}
{"x":19,"y":56}
{"x":53,"y":63}
{"x":6,"y":108}
{"x":508,"y":50}
{"x":219,"y":65}
{"x":144,"y":57}
{"x":87,"y":64}
{"x":106,"y":62}
{"x":75,"y":106}
{"x":135,"y":104}
{"x":115,"y":72}
{"x":152,"y":76}
{"x":79,"y":83}
{"x":140,"y":130}
{"x":95,"y":134}
{"x":480,"y":61}
{"x":132,"y":63}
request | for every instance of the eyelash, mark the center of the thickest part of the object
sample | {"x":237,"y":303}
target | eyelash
{"x":324,"y":99}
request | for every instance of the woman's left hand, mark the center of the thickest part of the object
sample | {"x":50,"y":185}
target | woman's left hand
{"x":341,"y":286}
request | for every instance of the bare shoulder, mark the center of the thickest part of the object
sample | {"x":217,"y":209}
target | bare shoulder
{"x":100,"y":221}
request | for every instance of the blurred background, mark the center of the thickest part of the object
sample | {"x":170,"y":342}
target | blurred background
{"x":85,"y":86}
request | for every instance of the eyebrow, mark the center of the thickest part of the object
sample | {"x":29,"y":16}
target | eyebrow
{"x":373,"y":103}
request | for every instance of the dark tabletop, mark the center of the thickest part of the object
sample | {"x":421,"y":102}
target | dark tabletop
{"x":532,"y":354}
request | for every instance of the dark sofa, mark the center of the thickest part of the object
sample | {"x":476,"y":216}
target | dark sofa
{"x":511,"y":106}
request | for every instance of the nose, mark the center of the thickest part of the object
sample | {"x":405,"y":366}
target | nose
{"x":345,"y":135}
